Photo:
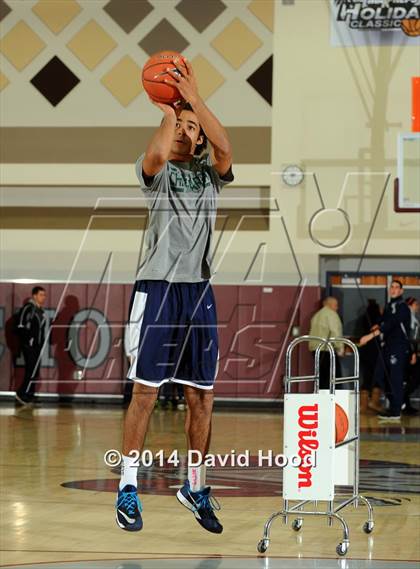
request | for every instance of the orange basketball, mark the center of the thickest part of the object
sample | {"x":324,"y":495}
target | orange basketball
{"x":154,"y":74}
{"x":411,"y":27}
{"x":341,"y":424}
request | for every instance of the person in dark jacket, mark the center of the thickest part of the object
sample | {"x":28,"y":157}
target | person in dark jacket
{"x":413,"y":369}
{"x":31,"y":330}
{"x":392,"y":362}
{"x":368,"y":357}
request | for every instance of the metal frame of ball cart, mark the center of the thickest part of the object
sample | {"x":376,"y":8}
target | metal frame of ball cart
{"x":330,"y":512}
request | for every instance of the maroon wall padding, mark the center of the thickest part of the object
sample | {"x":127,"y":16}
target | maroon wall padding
{"x":8,"y":341}
{"x":251,"y":363}
{"x":106,"y":377}
{"x":87,"y":325}
{"x":62,"y":376}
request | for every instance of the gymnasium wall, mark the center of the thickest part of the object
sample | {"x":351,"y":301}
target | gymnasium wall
{"x":337,"y":113}
{"x":74,"y":118}
{"x":84,"y":353}
{"x":64,"y":166}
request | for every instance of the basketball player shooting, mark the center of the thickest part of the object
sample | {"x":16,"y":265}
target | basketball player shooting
{"x":172,"y":329}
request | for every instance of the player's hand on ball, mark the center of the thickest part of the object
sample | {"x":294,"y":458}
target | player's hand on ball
{"x":168,"y":109}
{"x":184,"y":81}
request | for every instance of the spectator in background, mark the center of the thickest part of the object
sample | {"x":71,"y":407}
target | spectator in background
{"x":392,"y":363}
{"x":326,"y":323}
{"x":413,"y":369}
{"x":31,"y":322}
{"x":368,"y":356}
{"x":414,"y":306}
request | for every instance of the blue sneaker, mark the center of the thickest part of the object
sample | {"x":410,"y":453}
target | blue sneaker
{"x":128,"y":508}
{"x":202,"y":504}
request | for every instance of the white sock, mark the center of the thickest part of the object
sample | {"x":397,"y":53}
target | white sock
{"x":197,"y":477}
{"x":128,"y":471}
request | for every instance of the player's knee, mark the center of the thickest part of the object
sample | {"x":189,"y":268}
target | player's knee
{"x":201,"y":402}
{"x":144,"y":396}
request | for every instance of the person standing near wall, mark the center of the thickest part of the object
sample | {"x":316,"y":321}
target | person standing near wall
{"x":393,"y":360}
{"x":413,"y":369}
{"x":31,"y":322}
{"x":326,"y":323}
{"x":368,"y":356}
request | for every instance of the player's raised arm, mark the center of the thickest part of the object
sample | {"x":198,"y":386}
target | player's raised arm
{"x":221,"y":149}
{"x":186,"y":84}
{"x":159,"y":147}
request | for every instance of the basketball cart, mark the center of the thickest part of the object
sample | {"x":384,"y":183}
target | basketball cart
{"x":309,"y":431}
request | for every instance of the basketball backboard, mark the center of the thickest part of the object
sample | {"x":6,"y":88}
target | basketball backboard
{"x":407,"y":183}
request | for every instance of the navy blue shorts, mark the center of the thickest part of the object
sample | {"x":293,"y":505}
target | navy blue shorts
{"x":171,"y":334}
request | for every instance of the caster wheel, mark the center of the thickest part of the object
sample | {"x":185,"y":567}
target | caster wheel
{"x":262,"y":546}
{"x":341,"y":549}
{"x":297,"y":525}
{"x":368,"y":527}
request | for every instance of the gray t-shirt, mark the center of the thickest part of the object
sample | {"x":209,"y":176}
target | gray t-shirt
{"x":182,"y":213}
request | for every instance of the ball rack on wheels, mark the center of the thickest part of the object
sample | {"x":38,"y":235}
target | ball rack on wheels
{"x":313,"y":484}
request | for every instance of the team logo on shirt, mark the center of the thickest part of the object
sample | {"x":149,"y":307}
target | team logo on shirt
{"x":189,"y":181}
